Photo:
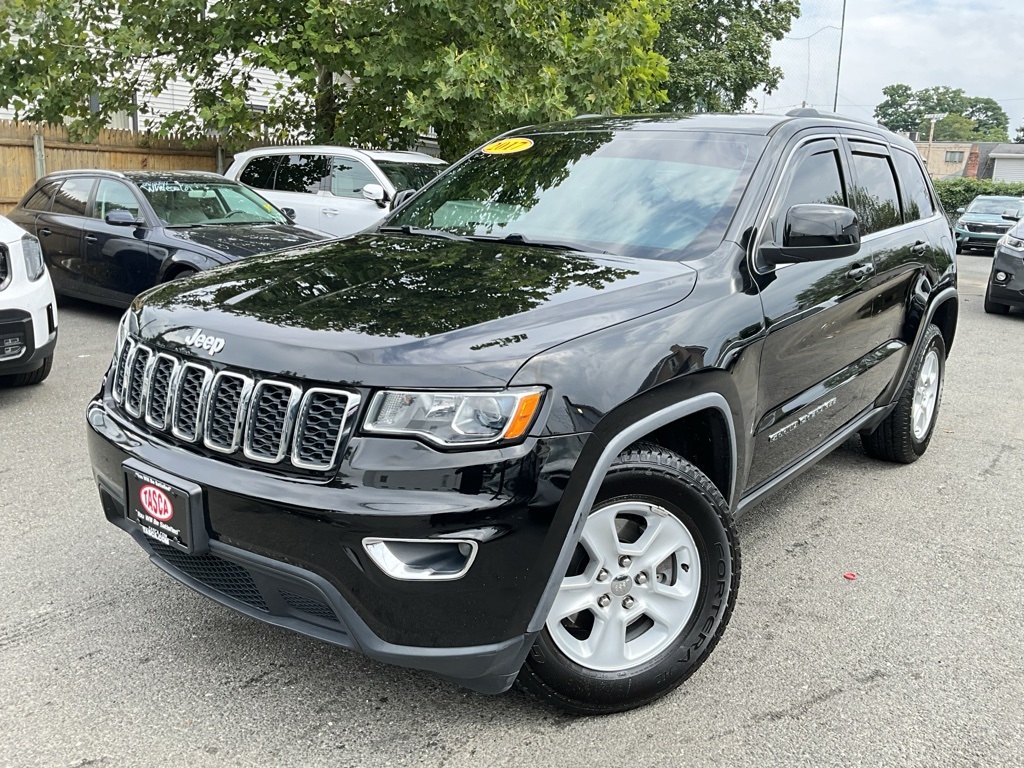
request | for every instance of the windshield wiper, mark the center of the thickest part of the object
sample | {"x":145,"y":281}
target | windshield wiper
{"x":407,"y":229}
{"x":557,"y":245}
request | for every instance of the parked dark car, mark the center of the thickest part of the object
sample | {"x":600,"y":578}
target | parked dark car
{"x":507,"y":434}
{"x":107,"y":235}
{"x":1006,"y":279}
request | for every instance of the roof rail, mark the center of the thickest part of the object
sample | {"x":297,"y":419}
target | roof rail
{"x":812,"y":112}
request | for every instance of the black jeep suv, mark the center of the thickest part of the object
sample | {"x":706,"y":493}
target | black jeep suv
{"x":506,"y":434}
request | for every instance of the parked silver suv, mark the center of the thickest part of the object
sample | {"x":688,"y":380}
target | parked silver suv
{"x":337,"y":190}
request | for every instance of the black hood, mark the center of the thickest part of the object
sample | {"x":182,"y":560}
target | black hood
{"x":240,"y":240}
{"x":382,"y":310}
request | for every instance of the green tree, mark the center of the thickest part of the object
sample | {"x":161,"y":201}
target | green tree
{"x":719,"y":50}
{"x":374,"y":73}
{"x":968,"y":118}
{"x":1019,"y":138}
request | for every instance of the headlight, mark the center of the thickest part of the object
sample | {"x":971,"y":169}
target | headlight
{"x":122,"y":333}
{"x":455,"y":418}
{"x":1013,"y":243}
{"x":33,"y":257}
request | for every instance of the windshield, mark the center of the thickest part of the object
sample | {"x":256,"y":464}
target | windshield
{"x":191,"y":203}
{"x":663,"y":195}
{"x":410,"y":175}
{"x":995,"y":205}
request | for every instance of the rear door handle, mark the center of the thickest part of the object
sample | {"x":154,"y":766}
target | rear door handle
{"x":91,"y":238}
{"x":919,"y":248}
{"x":861,"y":271}
{"x":330,"y":211}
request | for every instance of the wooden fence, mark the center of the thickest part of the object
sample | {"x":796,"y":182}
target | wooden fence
{"x":29,"y":151}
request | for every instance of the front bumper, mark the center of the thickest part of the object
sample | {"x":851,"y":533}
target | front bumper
{"x":1011,"y":290}
{"x":28,"y":325}
{"x":288,"y":550}
{"x":967,"y":239}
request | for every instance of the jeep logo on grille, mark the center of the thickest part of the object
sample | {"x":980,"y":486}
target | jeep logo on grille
{"x":199,"y":340}
{"x":156,"y":503}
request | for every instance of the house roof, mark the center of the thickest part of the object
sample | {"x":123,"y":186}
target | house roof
{"x":1007,"y":151}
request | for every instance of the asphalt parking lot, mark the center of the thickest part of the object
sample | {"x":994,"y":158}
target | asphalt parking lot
{"x":104,"y":661}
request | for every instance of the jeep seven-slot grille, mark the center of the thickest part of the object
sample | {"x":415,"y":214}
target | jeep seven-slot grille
{"x":253,"y":419}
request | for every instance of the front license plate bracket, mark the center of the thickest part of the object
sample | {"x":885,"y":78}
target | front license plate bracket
{"x":165,"y":508}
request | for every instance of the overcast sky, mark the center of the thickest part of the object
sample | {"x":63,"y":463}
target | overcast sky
{"x":977,"y":45}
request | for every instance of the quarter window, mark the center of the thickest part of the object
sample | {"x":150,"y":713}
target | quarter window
{"x":42,"y":199}
{"x":114,"y":196}
{"x":301,"y":173}
{"x":348,"y":177}
{"x":875,"y":197}
{"x":72,"y":197}
{"x":917,"y":199}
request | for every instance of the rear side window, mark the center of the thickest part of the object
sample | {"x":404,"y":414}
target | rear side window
{"x":917,"y":200}
{"x":72,"y":197}
{"x":42,"y":199}
{"x":259,"y":172}
{"x":301,"y":173}
{"x":348,"y":177}
{"x":875,"y":198}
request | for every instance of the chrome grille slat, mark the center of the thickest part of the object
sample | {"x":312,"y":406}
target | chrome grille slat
{"x":162,"y":380}
{"x":259,"y":420}
{"x":272,"y":413}
{"x":321,"y":425}
{"x":189,"y":401}
{"x":225,"y":417}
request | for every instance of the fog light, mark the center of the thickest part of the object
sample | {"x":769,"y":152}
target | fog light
{"x":1001,"y":277}
{"x":422,"y":559}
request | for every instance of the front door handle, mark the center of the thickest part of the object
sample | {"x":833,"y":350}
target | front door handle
{"x":861,"y":271}
{"x":919,"y":248}
{"x":91,"y":238}
{"x":330,"y":211}
{"x":45,"y":232}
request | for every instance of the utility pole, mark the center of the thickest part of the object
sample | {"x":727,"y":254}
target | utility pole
{"x":839,"y":63}
{"x":931,"y":133}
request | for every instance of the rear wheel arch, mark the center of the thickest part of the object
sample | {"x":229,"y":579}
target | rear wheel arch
{"x":945,"y":317}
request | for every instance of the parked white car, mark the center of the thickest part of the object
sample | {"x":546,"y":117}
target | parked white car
{"x":28,"y":310}
{"x":337,"y":190}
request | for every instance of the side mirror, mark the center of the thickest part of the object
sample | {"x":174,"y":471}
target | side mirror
{"x":401,"y":197}
{"x":961,"y":210}
{"x":816,"y":232}
{"x":375,"y":192}
{"x":123,"y":218}
{"x":1011,"y":215}
{"x":289,"y":213}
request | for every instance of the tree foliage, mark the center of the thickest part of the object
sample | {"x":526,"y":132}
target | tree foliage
{"x":968,"y":118}
{"x":719,"y":50}
{"x":378,"y":74}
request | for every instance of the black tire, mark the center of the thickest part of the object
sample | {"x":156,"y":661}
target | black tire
{"x":894,"y":439}
{"x":30,"y":378}
{"x":959,"y":249}
{"x":993,"y":307}
{"x":646,"y":474}
{"x":181,"y":274}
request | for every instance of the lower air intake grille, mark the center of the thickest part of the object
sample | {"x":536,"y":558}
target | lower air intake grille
{"x":309,"y":605}
{"x":216,"y":573}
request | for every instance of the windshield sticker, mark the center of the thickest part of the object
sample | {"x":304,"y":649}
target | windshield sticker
{"x":507,"y":146}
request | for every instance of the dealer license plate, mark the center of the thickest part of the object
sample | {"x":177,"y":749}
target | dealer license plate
{"x":163,"y":508}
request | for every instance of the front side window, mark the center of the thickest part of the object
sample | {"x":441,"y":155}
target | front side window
{"x":917,"y":199}
{"x":301,"y":173}
{"x":348,"y":177}
{"x":114,"y":196}
{"x":259,"y":172}
{"x":409,"y":175}
{"x":194,"y":203}
{"x":816,"y":178}
{"x":72,"y":197}
{"x":649,"y":194}
{"x":875,"y":197}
